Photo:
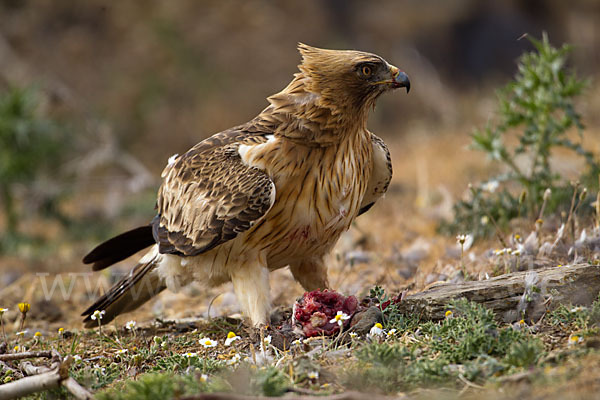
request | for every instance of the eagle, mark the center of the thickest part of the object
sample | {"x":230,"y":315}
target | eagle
{"x":275,"y":192}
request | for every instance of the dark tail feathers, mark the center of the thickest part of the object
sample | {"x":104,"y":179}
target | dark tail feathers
{"x":120,"y":247}
{"x":141,"y":284}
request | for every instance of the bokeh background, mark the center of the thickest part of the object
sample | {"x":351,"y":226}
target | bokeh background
{"x":129,"y":83}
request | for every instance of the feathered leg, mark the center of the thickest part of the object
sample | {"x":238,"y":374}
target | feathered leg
{"x":311,"y":274}
{"x":251,"y":286}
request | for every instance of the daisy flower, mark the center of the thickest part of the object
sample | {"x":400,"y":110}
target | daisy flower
{"x":391,"y":332}
{"x":234,"y":360}
{"x":449,"y":314}
{"x":376,"y":330}
{"x":130,"y":325}
{"x":231,"y":337}
{"x":313,"y":375}
{"x":189,"y":355}
{"x":122,"y":351}
{"x":339,"y":318}
{"x":97,"y":315}
{"x":207,"y":342}
{"x":203,"y":378}
{"x":3,"y":310}
{"x":575,"y":339}
{"x":353,"y":335}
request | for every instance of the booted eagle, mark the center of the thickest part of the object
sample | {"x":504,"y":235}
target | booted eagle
{"x":274,"y":192}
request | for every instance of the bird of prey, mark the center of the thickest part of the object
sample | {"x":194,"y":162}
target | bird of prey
{"x":276,"y":191}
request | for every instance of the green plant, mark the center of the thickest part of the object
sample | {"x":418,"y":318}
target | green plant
{"x":156,"y":386}
{"x":29,"y":145}
{"x":270,"y":382}
{"x":537,"y":111}
{"x":577,"y":318}
{"x":469,"y":344}
{"x":392,"y":317}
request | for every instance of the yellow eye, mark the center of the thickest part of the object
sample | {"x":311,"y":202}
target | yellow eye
{"x":366,"y":70}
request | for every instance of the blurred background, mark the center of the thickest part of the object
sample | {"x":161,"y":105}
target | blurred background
{"x":121,"y":86}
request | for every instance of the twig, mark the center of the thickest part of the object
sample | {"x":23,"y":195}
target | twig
{"x":469,"y":383}
{"x":26,"y":354}
{"x":43,"y":378}
{"x":78,"y":391}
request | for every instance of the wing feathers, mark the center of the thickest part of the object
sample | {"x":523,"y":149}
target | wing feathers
{"x":209,"y":195}
{"x":381,"y":176}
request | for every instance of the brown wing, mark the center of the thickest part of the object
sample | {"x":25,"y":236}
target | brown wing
{"x":209,"y":195}
{"x":381,"y":175}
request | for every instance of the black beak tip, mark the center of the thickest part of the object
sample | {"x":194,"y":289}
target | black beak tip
{"x":401,"y":80}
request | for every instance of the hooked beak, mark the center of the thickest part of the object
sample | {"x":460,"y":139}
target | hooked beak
{"x":399,"y":79}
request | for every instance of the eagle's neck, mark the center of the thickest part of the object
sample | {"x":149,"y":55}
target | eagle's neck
{"x":305,"y":115}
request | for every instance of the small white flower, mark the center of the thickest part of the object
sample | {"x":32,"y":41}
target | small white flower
{"x":339,"y":318}
{"x":77,"y":358}
{"x":376,"y":330}
{"x":464,"y":241}
{"x":577,"y":309}
{"x":267,"y":340}
{"x":97,"y":315}
{"x":353,"y":335}
{"x":313,"y":375}
{"x":203,"y":378}
{"x":207,"y":342}
{"x":516,"y":252}
{"x":3,"y":310}
{"x":231,"y":337}
{"x":130,"y":325}
{"x":189,"y":355}
{"x":391,"y":332}
{"x":234,"y":360}
{"x":122,"y":351}
{"x":21,"y":333}
{"x":297,"y":342}
{"x":490,"y":186}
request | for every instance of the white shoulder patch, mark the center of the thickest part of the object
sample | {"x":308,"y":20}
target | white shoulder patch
{"x":172,"y":159}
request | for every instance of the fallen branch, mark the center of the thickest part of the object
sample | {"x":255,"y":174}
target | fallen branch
{"x":30,"y":384}
{"x":526,"y":294}
{"x":43,"y":378}
{"x":26,"y":354}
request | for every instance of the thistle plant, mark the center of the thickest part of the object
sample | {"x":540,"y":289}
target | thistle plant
{"x":537,"y":112}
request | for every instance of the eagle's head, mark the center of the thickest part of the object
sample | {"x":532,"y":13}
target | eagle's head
{"x":348,"y":79}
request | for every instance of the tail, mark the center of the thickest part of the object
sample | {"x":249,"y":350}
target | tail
{"x":120,"y":247}
{"x":142,"y":283}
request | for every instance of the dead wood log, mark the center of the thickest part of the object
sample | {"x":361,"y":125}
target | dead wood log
{"x":525,"y":294}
